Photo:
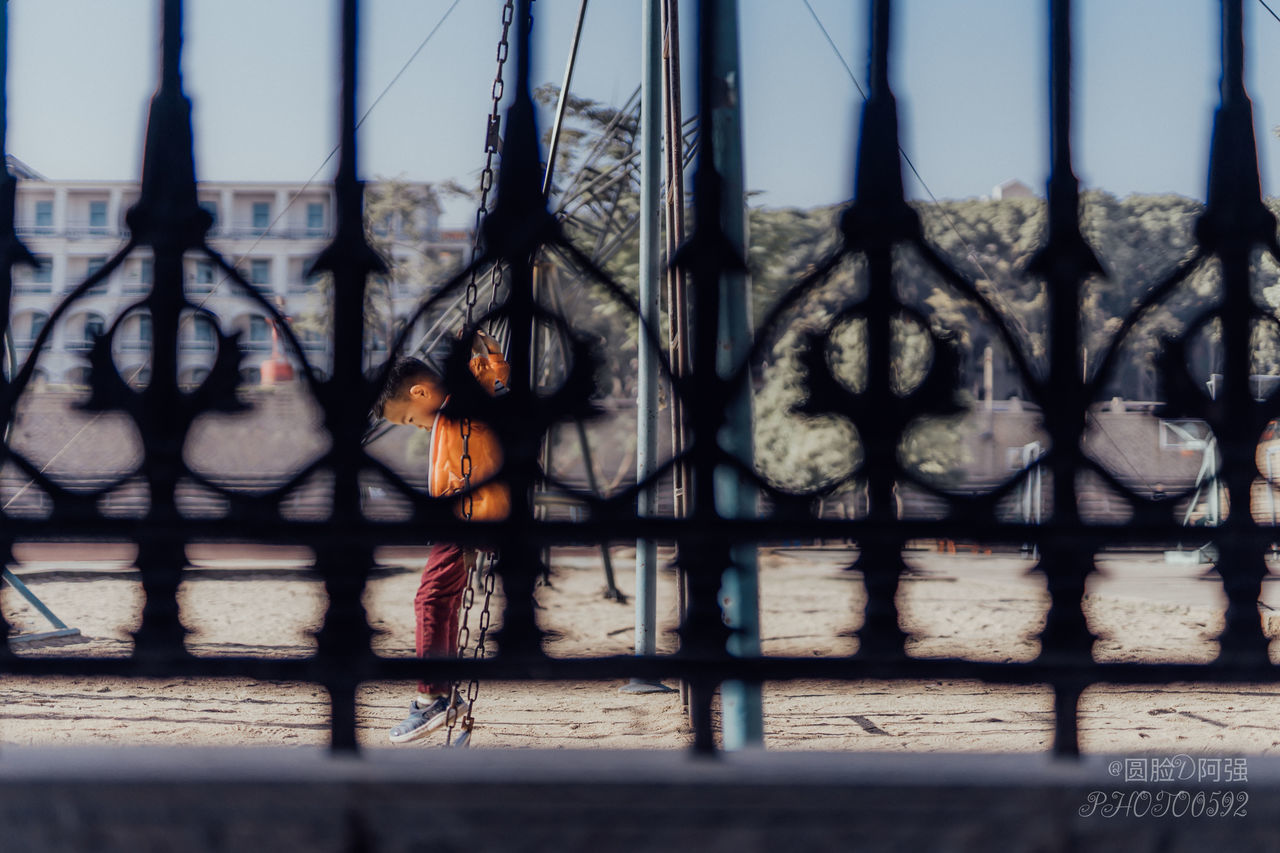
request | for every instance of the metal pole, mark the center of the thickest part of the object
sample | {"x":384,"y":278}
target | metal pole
{"x":611,"y":588}
{"x":9,"y":577}
{"x":564,"y":100}
{"x":647,"y":385}
{"x":677,"y":299}
{"x":735,"y":498}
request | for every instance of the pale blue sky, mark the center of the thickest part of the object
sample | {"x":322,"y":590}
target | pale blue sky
{"x":969,"y":75}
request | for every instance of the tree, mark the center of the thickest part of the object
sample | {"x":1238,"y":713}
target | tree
{"x":400,"y":224}
{"x":1139,"y":239}
{"x":595,"y":194}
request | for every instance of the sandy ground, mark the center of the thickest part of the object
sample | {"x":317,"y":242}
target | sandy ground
{"x":976,"y":605}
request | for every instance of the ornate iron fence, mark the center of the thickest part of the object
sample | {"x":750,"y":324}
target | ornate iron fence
{"x":168,"y":220}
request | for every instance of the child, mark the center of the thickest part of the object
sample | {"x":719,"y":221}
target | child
{"x":413,"y":395}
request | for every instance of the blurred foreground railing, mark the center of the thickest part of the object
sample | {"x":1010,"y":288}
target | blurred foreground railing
{"x":157,"y":515}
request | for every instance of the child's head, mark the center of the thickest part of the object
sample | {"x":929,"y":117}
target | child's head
{"x":412,"y":394}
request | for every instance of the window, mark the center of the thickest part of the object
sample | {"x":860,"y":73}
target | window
{"x":92,"y":267}
{"x":312,"y":341}
{"x":141,"y":278}
{"x":144,"y":328}
{"x":315,"y":216}
{"x":202,"y":331}
{"x":260,"y":273}
{"x":44,"y":215}
{"x":259,"y":331}
{"x":211,"y":208}
{"x":44,"y":269}
{"x":94,"y":325}
{"x":38,"y":321}
{"x":204,"y":274}
{"x":97,"y":214}
{"x":261,"y":215}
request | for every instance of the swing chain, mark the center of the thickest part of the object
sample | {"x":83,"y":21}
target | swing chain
{"x":492,"y":142}
{"x":469,"y":596}
{"x":473,"y":687}
{"x":464,"y":426}
{"x":464,"y":638}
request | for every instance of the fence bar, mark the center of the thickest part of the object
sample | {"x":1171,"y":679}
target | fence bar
{"x":344,"y":637}
{"x":1064,"y":263}
{"x":517,"y":225}
{"x":168,"y":219}
{"x":1234,"y":223}
{"x":878,"y":219}
{"x":720,"y":525}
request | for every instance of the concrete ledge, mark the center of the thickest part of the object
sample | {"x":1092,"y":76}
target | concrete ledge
{"x":432,"y":800}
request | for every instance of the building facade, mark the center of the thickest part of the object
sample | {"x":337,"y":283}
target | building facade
{"x":271,"y":232}
{"x":1012,"y":188}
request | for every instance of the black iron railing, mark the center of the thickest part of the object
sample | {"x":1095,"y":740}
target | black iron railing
{"x":168,"y":220}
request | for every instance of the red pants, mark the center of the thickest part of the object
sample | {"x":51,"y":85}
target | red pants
{"x":435,"y":607}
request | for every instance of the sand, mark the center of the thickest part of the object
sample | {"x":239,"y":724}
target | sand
{"x":978,"y":605}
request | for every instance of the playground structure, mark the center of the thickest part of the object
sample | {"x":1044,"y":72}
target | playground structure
{"x":58,"y":628}
{"x":719,"y":523}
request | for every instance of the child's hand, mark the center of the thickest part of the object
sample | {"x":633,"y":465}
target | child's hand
{"x":485,"y":340}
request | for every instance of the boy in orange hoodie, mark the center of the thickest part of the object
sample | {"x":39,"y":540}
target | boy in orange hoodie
{"x":412,"y":396}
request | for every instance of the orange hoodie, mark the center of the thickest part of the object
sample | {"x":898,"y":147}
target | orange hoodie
{"x":490,"y":499}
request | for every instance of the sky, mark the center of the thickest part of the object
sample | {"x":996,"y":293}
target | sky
{"x":970,"y":77}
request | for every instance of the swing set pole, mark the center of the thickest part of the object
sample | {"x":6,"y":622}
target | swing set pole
{"x":647,"y":384}
{"x":550,"y":285}
{"x":647,"y":360}
{"x":60,"y":628}
{"x":734,"y":497}
{"x":677,"y":297}
{"x":564,"y":100}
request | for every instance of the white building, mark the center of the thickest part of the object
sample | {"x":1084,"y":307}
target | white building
{"x":1012,"y":188}
{"x":271,"y":232}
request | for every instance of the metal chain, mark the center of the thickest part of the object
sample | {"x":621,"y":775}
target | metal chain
{"x":492,"y":143}
{"x":464,"y":638}
{"x":473,"y":687}
{"x":495,"y":282}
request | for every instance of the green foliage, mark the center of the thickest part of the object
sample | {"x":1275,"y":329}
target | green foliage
{"x":1140,"y":240}
{"x":802,"y":453}
{"x":797,"y":452}
{"x":595,"y":192}
{"x":397,"y":217}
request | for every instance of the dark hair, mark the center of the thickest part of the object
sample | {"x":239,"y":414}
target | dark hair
{"x":403,"y":374}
